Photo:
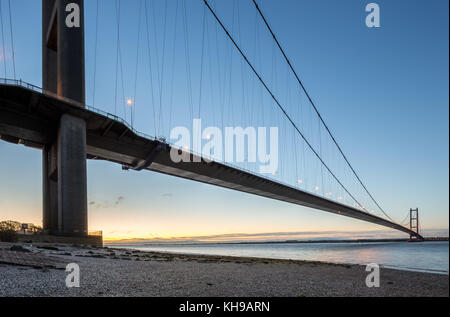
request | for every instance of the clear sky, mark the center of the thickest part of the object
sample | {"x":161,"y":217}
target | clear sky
{"x":382,"y":91}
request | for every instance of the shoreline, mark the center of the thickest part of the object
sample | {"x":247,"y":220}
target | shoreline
{"x":130,"y":243}
{"x":406,"y":269}
{"x":126,"y":272}
{"x":267,"y":259}
{"x":179,"y":250}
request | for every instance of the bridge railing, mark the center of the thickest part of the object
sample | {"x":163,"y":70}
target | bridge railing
{"x":21,"y":83}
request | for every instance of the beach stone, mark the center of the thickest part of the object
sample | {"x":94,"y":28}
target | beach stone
{"x":47,"y":247}
{"x":19,"y":248}
{"x":34,"y":260}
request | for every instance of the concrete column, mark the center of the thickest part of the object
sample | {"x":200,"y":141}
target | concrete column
{"x":50,"y":189}
{"x":71,"y":72}
{"x":49,"y":83}
{"x":49,"y":58}
{"x":46,"y":218}
{"x":64,"y":161}
{"x":72,"y":188}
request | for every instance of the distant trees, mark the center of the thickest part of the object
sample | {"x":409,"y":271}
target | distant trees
{"x":9,"y":230}
{"x":10,"y":225}
{"x":35,"y":229}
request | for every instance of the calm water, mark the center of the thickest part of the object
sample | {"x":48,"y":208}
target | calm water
{"x":426,"y":256}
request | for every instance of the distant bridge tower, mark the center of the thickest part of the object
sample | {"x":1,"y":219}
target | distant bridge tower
{"x":414,"y":223}
{"x":64,"y":159}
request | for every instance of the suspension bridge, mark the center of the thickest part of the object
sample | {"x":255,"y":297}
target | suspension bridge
{"x":314,"y":171}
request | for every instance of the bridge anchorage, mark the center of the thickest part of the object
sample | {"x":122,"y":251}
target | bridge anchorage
{"x":56,"y":120}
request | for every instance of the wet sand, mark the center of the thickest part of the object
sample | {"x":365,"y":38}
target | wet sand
{"x":121,"y":272}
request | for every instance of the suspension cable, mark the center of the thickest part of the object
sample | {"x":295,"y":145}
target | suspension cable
{"x":315,"y":108}
{"x":12,"y":39}
{"x":3,"y":39}
{"x":277,"y":102}
{"x":406,"y":217}
{"x":137,"y":64}
{"x":201,"y":64}
{"x":117,"y":52}
{"x":95,"y":54}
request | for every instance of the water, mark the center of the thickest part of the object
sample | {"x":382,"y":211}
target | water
{"x":426,"y":256}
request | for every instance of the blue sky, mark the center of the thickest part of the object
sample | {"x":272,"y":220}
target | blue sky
{"x":382,"y":91}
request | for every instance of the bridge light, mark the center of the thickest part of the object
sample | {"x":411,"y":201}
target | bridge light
{"x":300,"y":181}
{"x":339,"y":198}
{"x":129,"y":102}
{"x":208,"y":136}
{"x":316,"y":188}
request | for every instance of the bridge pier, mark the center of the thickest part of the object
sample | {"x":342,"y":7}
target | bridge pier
{"x":50,"y":189}
{"x":64,"y":160}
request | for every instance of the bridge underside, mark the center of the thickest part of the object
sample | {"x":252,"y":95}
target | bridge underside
{"x":31,"y":118}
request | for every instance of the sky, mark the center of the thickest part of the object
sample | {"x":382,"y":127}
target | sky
{"x":383,"y":92}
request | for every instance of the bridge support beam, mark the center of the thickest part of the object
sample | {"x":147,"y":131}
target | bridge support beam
{"x":64,"y":160}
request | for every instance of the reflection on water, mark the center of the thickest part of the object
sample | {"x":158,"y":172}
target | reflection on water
{"x":426,"y":256}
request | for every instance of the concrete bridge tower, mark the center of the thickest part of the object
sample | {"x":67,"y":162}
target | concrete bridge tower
{"x":64,"y":160}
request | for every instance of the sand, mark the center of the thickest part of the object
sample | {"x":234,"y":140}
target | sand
{"x":120,"y":272}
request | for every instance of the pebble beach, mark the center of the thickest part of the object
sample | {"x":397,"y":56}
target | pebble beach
{"x":40,"y":271}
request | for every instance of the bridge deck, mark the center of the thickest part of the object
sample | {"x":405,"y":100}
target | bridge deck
{"x":30,"y":117}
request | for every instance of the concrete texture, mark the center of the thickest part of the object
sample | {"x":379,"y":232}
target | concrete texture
{"x":64,"y":158}
{"x":49,"y":82}
{"x":72,"y":181}
{"x":71,"y":68}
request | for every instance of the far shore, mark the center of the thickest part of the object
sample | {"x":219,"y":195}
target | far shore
{"x":39,"y":270}
{"x":113,"y":243}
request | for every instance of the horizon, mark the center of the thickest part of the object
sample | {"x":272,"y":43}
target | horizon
{"x":268,"y":237}
{"x":280,"y":237}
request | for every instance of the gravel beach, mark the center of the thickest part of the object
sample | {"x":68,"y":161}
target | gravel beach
{"x":39,"y":270}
